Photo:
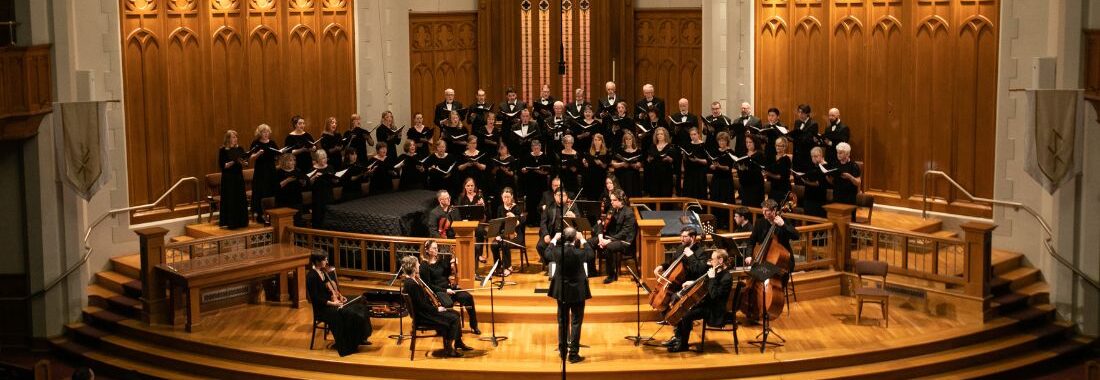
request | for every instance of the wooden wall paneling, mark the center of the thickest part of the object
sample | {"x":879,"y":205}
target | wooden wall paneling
{"x":194,"y":68}
{"x":886,"y":98}
{"x":185,"y":90}
{"x":668,"y":54}
{"x":267,"y":103}
{"x":143,"y":82}
{"x":443,"y":52}
{"x":773,"y":57}
{"x":915,"y":80}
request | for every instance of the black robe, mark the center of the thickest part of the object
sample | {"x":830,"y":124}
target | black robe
{"x":440,"y":170}
{"x":303,"y":161}
{"x":350,"y":324}
{"x":422,"y":139}
{"x":412,"y":171}
{"x":264,"y":181}
{"x":630,"y":179}
{"x":695,"y":173}
{"x":333,"y":145}
{"x":782,"y":185}
{"x":662,"y":176}
{"x":233,"y":211}
{"x":751,"y":180}
{"x":321,"y":190}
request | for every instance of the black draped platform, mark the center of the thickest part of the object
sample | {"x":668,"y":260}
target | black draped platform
{"x":394,"y":214}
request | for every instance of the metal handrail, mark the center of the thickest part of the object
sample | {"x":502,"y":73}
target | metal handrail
{"x":88,"y":234}
{"x":1047,"y":242}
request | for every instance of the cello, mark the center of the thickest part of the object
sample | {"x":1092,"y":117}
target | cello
{"x":755,"y":299}
{"x":669,"y":281}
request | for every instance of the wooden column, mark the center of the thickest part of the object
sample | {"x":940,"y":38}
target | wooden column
{"x":979,"y":251}
{"x":464,"y":252}
{"x":651,"y":251}
{"x":154,"y":309}
{"x":841,"y":216}
{"x":281,"y":218}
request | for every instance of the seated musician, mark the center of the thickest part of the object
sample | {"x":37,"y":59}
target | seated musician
{"x":349,"y":323}
{"x":439,"y":219}
{"x":742,"y":220}
{"x":437,"y":273}
{"x":551,"y":223}
{"x":694,"y":261}
{"x":428,"y":310}
{"x":712,"y":308}
{"x":616,"y":236}
{"x":509,"y":209}
{"x":783,"y":232}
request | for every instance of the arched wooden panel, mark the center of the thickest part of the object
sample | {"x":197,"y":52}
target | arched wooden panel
{"x":668,"y":52}
{"x":914,"y":80}
{"x":194,"y":68}
{"x":443,"y":54}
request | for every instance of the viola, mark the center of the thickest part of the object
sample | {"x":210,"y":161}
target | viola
{"x":444,"y":225}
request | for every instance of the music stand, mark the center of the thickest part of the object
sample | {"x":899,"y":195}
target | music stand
{"x":501,"y":227}
{"x":638,"y":286}
{"x":763,"y":271}
{"x":492,"y":308}
{"x":589,"y":209}
{"x":471,"y":212}
{"x":730,"y":245}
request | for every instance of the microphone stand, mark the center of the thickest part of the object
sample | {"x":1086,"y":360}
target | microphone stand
{"x":400,"y":336}
{"x":492,"y":309}
{"x":637,"y":338}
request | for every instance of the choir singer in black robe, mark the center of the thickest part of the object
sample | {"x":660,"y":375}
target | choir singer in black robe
{"x":569,"y":286}
{"x":234,"y":205}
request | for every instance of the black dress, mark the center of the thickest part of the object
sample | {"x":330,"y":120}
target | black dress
{"x":814,"y":197}
{"x":455,"y":138}
{"x":435,"y":275}
{"x":422,"y":138}
{"x":782,"y":185}
{"x":616,"y":125}
{"x":488,"y":141}
{"x":534,"y":182}
{"x":751,"y":179}
{"x":357,"y":138}
{"x":381,"y":175}
{"x":350,"y":324}
{"x":290,"y":193}
{"x":352,"y":181}
{"x":630,"y":178}
{"x":234,"y":203}
{"x":695,"y":173}
{"x":302,"y":160}
{"x":334,"y":147}
{"x":446,"y":323}
{"x":595,"y":174}
{"x":721,"y":182}
{"x":472,"y":170}
{"x":583,"y":131}
{"x":505,"y":259}
{"x":321,"y":189}
{"x":439,"y":171}
{"x":264,"y":181}
{"x":392,"y":138}
{"x":660,"y":174}
{"x":570,"y":170}
{"x":501,"y":174}
{"x":412,"y":171}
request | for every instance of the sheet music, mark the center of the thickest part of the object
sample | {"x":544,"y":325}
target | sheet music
{"x":341,"y":173}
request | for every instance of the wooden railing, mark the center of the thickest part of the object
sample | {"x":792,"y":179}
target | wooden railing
{"x":364,"y":255}
{"x":215,"y":245}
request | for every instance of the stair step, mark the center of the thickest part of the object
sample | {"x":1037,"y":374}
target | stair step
{"x":1021,"y":277}
{"x":127,"y":265}
{"x":109,"y":364}
{"x":107,"y":299}
{"x":180,"y":238}
{"x":1014,"y":364}
{"x":119,"y":283}
{"x":1038,"y":292}
{"x":1009,"y":302}
{"x":1004,"y":261}
{"x":204,"y":365}
{"x":930,"y":364}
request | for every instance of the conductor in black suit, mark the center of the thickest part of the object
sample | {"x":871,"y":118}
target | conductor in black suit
{"x":569,"y":285}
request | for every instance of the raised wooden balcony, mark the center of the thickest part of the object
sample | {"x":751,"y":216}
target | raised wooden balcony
{"x":25,"y":90}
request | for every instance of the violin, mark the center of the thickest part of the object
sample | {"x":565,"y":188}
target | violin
{"x":755,"y":300}
{"x":444,"y":224}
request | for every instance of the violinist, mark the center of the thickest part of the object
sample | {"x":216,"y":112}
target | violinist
{"x":616,"y":233}
{"x":350,"y":324}
{"x":440,"y":218}
{"x":783,"y":232}
{"x":712,"y":308}
{"x":509,"y":209}
{"x":551,"y":223}
{"x":437,"y":273}
{"x":429,"y":311}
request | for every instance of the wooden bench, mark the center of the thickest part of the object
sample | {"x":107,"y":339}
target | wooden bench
{"x":189,"y":278}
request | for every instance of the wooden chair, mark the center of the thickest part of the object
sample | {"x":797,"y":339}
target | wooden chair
{"x":731,"y":319}
{"x":870,"y":294}
{"x":868,"y":201}
{"x":213,"y":194}
{"x":317,"y":324}
{"x":416,"y":328}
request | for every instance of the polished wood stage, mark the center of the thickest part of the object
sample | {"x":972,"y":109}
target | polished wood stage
{"x":823,"y":340}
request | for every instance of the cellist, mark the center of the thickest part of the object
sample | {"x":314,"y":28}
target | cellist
{"x":695,"y":262}
{"x":784,"y":232}
{"x":712,"y":308}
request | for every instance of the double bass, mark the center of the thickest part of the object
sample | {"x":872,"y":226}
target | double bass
{"x":755,"y":299}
